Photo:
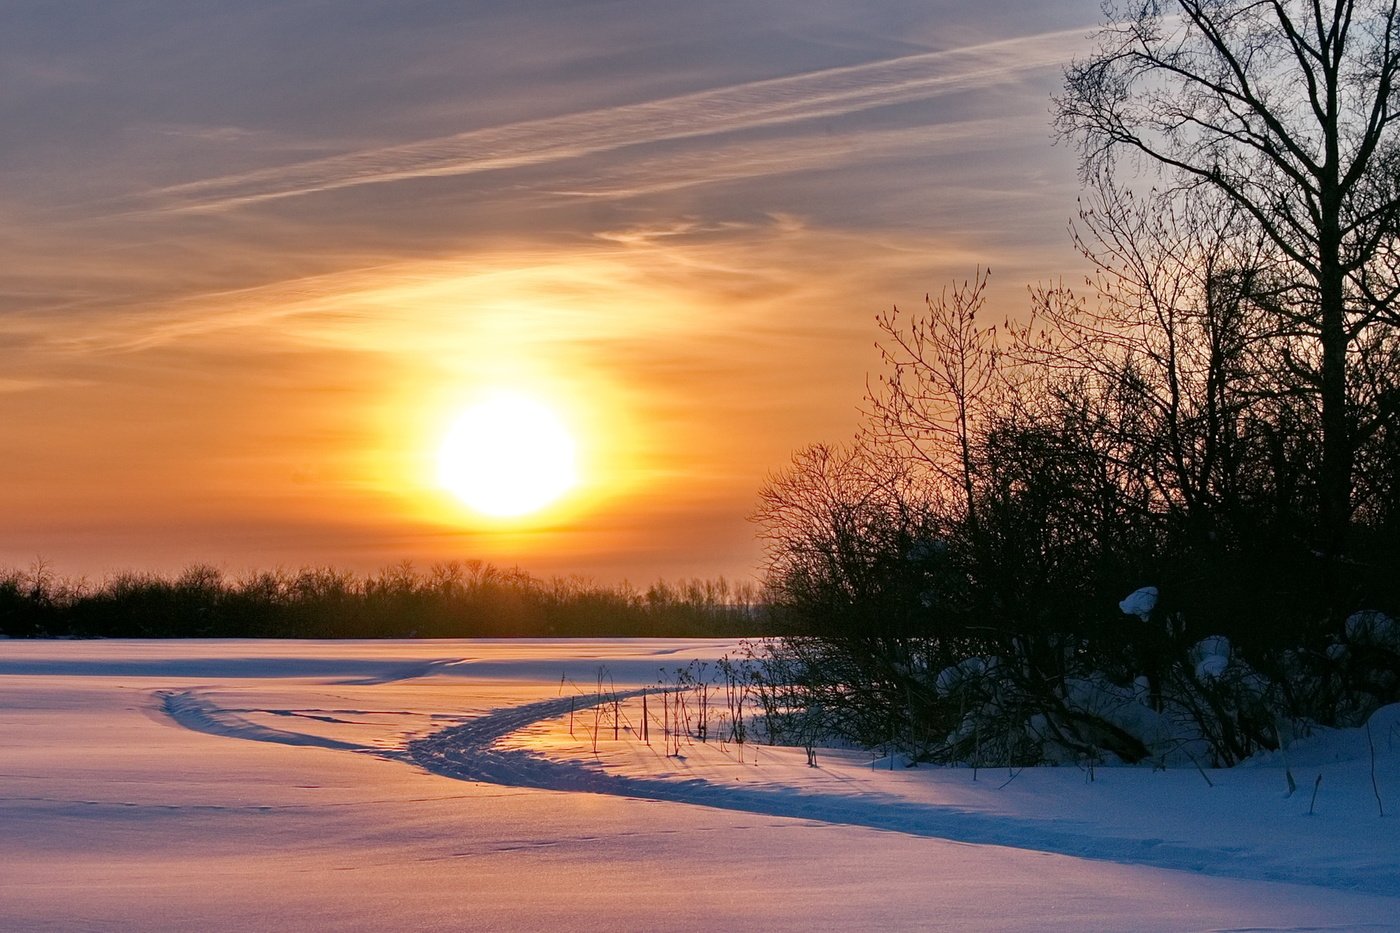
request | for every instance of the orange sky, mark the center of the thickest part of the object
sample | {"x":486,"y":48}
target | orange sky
{"x":254,"y":263}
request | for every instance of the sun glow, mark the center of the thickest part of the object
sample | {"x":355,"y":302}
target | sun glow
{"x":508,"y":455}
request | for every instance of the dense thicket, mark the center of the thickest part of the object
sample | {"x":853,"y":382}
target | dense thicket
{"x":1110,"y":548}
{"x":451,"y":600}
{"x":1164,"y":516}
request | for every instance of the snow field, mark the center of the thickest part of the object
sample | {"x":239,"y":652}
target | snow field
{"x":433,"y":785}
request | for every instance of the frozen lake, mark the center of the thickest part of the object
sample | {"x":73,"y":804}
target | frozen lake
{"x":257,"y":785}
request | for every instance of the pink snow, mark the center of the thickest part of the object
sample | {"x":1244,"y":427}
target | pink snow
{"x":417,"y":785}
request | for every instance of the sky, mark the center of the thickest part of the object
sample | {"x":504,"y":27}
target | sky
{"x":256,"y":257}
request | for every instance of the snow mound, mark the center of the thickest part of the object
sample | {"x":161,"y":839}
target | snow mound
{"x":1371,"y":627}
{"x":1211,"y":656}
{"x":1324,"y":746}
{"x":966,"y":673}
{"x":1140,"y":603}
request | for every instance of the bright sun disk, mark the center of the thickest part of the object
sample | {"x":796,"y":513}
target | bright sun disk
{"x":507,"y":455}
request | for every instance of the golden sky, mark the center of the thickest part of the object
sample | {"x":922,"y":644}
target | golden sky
{"x":256,"y":257}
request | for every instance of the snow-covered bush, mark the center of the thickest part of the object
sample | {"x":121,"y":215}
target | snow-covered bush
{"x":1363,"y":666}
{"x":1211,"y":657}
{"x":1139,"y":603}
{"x":971,"y":676}
{"x":1373,"y":628}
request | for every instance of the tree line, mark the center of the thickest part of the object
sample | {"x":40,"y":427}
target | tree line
{"x":448,"y":600}
{"x":1161,"y":515}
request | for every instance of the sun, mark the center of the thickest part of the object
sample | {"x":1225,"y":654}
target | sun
{"x":507,"y":455}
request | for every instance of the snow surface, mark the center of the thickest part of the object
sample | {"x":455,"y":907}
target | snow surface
{"x":435,"y":785}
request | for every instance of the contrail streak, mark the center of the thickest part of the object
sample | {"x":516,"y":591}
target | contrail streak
{"x":775,"y":101}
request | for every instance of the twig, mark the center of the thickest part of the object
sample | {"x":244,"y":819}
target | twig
{"x":1375,"y":788}
{"x":1287,"y":771}
{"x":1202,"y":771}
{"x":1316,"y":785}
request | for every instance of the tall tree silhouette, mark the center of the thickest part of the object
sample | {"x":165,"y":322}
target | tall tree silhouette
{"x":1288,"y":109}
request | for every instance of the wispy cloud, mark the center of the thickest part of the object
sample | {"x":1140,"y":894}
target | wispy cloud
{"x":20,"y":72}
{"x":204,"y":133}
{"x":744,"y":159}
{"x":814,"y":95}
{"x":9,"y":384}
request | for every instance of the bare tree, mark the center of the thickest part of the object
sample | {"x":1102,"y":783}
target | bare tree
{"x":840,"y":526}
{"x":940,"y":367}
{"x":1176,"y":346}
{"x":1288,"y":109}
{"x":855,"y":565}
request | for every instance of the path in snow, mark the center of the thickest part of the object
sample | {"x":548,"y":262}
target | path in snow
{"x":474,"y":751}
{"x":198,"y":713}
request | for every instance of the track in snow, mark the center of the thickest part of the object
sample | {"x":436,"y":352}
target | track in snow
{"x":196,"y":712}
{"x":472,"y":751}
